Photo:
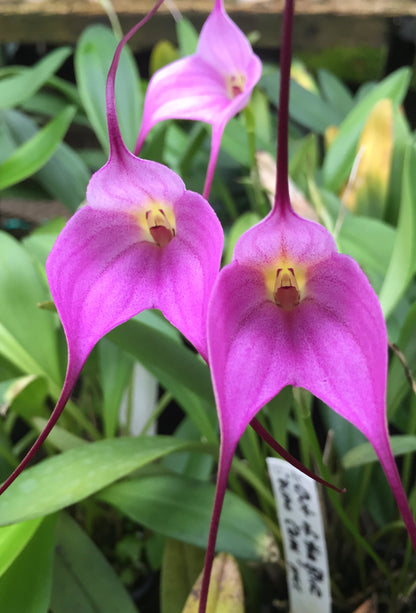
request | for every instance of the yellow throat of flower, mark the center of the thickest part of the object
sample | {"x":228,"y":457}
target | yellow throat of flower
{"x":235,"y":84}
{"x":285,"y":284}
{"x":158,"y":221}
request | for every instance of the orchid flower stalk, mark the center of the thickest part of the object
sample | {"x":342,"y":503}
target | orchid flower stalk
{"x":211,"y":86}
{"x":290,"y":310}
{"x":142,"y":242}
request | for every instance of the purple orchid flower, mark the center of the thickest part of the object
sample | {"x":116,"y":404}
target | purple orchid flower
{"x":290,"y":310}
{"x":212,"y":85}
{"x":143,"y":241}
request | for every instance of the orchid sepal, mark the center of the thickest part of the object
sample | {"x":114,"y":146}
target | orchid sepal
{"x":212,"y":85}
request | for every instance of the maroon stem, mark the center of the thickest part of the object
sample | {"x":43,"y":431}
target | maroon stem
{"x":262,"y":432}
{"x":226,"y":457}
{"x":282,"y":184}
{"x":116,"y":141}
{"x":215,"y":148}
{"x":70,"y":379}
{"x":385,"y":455}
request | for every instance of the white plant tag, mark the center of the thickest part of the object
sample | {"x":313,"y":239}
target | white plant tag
{"x":301,"y":524}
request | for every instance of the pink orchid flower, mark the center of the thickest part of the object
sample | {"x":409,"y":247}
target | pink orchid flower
{"x":290,"y":310}
{"x":142,"y":242}
{"x":212,"y":85}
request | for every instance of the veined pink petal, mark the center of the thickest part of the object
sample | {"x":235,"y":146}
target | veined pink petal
{"x":223,"y":45}
{"x":103,"y":270}
{"x":284,"y":232}
{"x":198,"y":87}
{"x":319,"y":345}
{"x":333,"y":343}
{"x":212,"y":85}
{"x":186,"y":89}
{"x":125,"y":183}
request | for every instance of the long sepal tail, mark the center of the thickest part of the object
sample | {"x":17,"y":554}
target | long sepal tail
{"x":262,"y":432}
{"x":70,"y":380}
{"x":387,"y":461}
{"x":226,"y":456}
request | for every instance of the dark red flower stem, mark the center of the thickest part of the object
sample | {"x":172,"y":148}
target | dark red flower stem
{"x":116,"y":141}
{"x":282,"y":184}
{"x":224,"y":467}
{"x":262,"y":432}
{"x":71,"y":376}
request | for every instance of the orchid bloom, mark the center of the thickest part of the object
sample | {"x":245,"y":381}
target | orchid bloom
{"x":290,"y":310}
{"x":143,"y":241}
{"x":212,"y":85}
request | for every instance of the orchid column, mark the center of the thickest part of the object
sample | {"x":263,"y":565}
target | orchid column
{"x":290,"y":310}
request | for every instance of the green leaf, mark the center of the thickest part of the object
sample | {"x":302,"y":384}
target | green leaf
{"x":59,"y":438}
{"x":115,"y":372}
{"x":33,"y":154}
{"x":176,"y":367}
{"x":340,"y":156}
{"x":345,"y":435}
{"x":13,"y":539}
{"x":335,"y":92}
{"x":364,"y":454}
{"x":403,"y":261}
{"x":72,"y":476}
{"x":187,"y":37}
{"x":401,"y":140}
{"x":306,"y":108}
{"x":41,"y":240}
{"x":370,"y":242}
{"x":192,"y":464}
{"x":15,"y":90}
{"x":49,"y":104}
{"x":83,"y":579}
{"x":27,"y":334}
{"x":398,"y":385}
{"x":194,"y":143}
{"x":93,"y":57}
{"x":241,"y":225}
{"x":181,"y":566}
{"x":235,"y":142}
{"x":26,"y":586}
{"x":27,"y":396}
{"x":163,"y":53}
{"x":303,"y":161}
{"x":263,"y":120}
{"x":64,"y":176}
{"x":180,"y":508}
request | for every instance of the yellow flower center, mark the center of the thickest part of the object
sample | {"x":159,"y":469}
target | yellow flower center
{"x":286,"y":291}
{"x":158,"y":221}
{"x":285,"y":284}
{"x":235,"y":85}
